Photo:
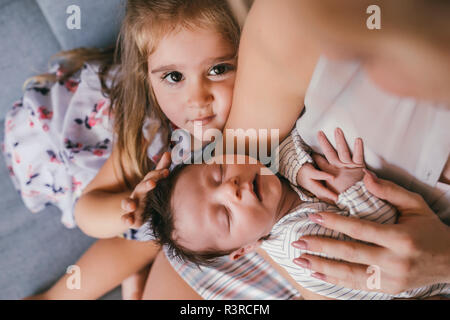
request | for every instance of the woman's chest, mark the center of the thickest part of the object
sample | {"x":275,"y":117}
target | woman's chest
{"x":445,"y":176}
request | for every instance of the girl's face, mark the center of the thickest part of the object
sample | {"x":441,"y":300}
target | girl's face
{"x":192,"y":74}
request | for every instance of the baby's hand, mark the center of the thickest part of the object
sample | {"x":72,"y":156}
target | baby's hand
{"x":310,"y":178}
{"x":347,"y":170}
{"x":134,"y":205}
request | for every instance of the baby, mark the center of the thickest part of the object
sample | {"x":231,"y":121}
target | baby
{"x":208,"y":211}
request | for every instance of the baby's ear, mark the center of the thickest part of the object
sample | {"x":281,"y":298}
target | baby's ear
{"x":236,"y":254}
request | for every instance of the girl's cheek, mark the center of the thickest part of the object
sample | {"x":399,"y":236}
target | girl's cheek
{"x":225,"y":96}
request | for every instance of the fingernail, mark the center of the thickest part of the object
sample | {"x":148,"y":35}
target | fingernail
{"x":317,"y":218}
{"x":304,"y":263}
{"x":300,"y":244}
{"x":318,"y":275}
{"x":124,"y":204}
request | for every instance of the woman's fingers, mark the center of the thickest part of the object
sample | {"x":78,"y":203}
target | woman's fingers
{"x":350,"y":251}
{"x":345,"y":274}
{"x":369,"y":231}
{"x":404,"y":200}
{"x":342,"y":147}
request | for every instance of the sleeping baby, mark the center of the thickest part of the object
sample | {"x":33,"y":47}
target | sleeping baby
{"x":207,"y":213}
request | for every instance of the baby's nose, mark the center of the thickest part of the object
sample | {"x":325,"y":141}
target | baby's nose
{"x":234,"y":188}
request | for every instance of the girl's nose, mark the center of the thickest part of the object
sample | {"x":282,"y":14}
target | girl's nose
{"x":199,"y":95}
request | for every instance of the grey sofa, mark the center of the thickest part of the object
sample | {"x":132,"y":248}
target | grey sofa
{"x":36,"y":249}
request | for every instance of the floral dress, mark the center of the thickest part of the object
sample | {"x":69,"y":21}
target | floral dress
{"x":57,"y":137}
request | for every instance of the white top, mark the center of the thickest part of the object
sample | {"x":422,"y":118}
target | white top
{"x":406,"y":141}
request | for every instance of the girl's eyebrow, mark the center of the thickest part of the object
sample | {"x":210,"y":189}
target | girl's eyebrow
{"x":222,"y":58}
{"x":207,"y":61}
{"x":164,"y":68}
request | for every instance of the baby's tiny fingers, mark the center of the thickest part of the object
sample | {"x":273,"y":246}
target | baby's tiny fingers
{"x":342,"y":146}
{"x":321,"y":162}
{"x":328,"y":149}
{"x":321,"y":175}
{"x":358,"y":152}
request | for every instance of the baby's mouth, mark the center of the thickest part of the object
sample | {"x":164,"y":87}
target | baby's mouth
{"x":257,"y":187}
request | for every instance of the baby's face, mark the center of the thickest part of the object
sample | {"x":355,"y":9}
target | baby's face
{"x":192,"y":74}
{"x":224,"y":206}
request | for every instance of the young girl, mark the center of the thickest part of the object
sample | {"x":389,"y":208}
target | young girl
{"x":103,"y":126}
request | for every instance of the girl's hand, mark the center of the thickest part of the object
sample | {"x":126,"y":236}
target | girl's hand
{"x":346,"y":169}
{"x":134,"y":205}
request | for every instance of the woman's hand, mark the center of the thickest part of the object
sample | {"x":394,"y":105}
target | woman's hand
{"x":412,"y":253}
{"x":134,"y":205}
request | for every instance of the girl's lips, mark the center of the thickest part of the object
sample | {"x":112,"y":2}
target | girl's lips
{"x":204,"y":121}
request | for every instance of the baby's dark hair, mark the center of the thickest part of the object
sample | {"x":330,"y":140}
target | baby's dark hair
{"x":159,"y":213}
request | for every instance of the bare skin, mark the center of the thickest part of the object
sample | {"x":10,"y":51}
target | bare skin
{"x":164,"y":283}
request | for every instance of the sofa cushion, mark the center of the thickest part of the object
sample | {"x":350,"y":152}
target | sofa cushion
{"x":27,"y":43}
{"x":100,"y":21}
{"x":35,"y":249}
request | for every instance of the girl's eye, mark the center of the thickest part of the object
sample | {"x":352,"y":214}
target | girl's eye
{"x":173,"y":77}
{"x":220,"y":69}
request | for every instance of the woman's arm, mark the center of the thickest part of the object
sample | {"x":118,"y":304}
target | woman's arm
{"x":276,"y":60}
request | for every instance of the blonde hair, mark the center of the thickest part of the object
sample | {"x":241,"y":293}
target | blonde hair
{"x":145,"y":23}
